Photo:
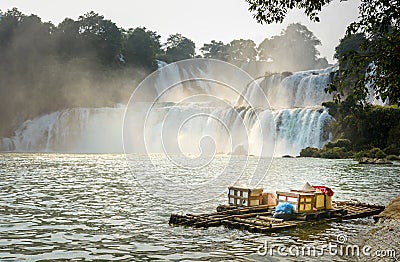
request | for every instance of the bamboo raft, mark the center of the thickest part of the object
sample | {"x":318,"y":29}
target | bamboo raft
{"x":259,"y":218}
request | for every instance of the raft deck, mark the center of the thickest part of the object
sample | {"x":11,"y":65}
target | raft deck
{"x":259,"y":218}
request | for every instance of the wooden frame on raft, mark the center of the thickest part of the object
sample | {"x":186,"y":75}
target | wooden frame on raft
{"x":241,"y":196}
{"x":305,"y":201}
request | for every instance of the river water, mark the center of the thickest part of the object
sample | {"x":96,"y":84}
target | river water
{"x":92,"y":207}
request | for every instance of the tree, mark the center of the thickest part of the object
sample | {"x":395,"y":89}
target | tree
{"x":69,"y":43}
{"x":350,"y":43}
{"x":9,"y":21}
{"x":376,"y":65}
{"x":62,"y":67}
{"x":103,"y":35}
{"x":236,"y":52}
{"x":275,"y":11}
{"x":215,"y":50}
{"x":349,"y":49}
{"x":26,"y":46}
{"x":39,"y":35}
{"x":24,"y":38}
{"x":379,"y":20}
{"x":241,"y":51}
{"x":178,"y":48}
{"x":293,"y":50}
{"x":141,"y":48}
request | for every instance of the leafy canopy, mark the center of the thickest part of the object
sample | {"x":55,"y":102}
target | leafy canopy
{"x":178,"y":48}
{"x":293,"y":50}
{"x":274,"y":11}
{"x":372,"y":67}
{"x":216,"y":50}
{"x":141,"y":48}
{"x":377,"y":66}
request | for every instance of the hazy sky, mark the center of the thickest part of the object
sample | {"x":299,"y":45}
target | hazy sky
{"x":201,"y":21}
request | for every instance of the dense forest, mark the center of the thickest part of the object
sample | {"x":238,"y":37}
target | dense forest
{"x":370,"y":130}
{"x":91,"y":62}
{"x":369,"y":65}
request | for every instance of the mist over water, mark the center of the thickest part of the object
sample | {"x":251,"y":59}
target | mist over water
{"x":276,"y":111}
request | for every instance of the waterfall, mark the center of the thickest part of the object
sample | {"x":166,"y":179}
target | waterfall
{"x":293,"y":119}
{"x":300,"y":89}
{"x":72,"y":130}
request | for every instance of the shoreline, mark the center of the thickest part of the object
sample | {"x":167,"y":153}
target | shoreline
{"x":385,"y":236}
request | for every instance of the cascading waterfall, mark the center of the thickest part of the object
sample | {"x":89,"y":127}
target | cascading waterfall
{"x":73,"y":130}
{"x":294,"y":114}
{"x":301,"y":89}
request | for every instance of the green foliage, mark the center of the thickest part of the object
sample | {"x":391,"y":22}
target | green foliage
{"x":366,"y":127}
{"x":240,"y":51}
{"x":141,"y":48}
{"x":379,"y":154}
{"x":394,"y":137}
{"x":348,"y":76}
{"x":350,"y":43}
{"x":68,"y":42}
{"x":310,"y":152}
{"x":294,"y":49}
{"x":361,"y":154}
{"x":334,"y":153}
{"x":275,"y":11}
{"x":236,"y":52}
{"x":372,"y":153}
{"x":9,"y":22}
{"x":392,"y":150}
{"x":376,"y":65}
{"x":362,"y":128}
{"x":370,"y":64}
{"x":332,"y":107}
{"x":340,"y":143}
{"x":77,"y":63}
{"x":179,"y":48}
{"x":87,"y":62}
{"x":102,"y":35}
{"x":373,"y":126}
{"x":215,"y":50}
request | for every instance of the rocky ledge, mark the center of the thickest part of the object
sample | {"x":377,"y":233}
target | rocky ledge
{"x":385,"y":234}
{"x":392,"y":211}
{"x":376,"y":161}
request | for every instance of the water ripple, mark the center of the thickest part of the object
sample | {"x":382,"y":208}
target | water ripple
{"x":90,"y":207}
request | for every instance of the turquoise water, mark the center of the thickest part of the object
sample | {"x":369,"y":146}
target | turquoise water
{"x":93,"y":207}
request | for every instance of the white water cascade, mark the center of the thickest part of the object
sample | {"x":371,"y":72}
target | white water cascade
{"x":296,"y":117}
{"x":83,"y":130}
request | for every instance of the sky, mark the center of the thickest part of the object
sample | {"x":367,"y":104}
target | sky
{"x":200,"y":21}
